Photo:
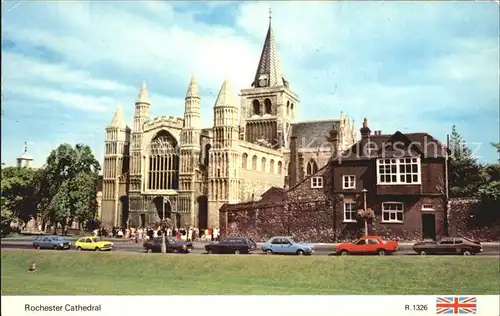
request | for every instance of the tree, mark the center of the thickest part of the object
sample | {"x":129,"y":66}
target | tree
{"x":497,"y":147}
{"x":464,"y":171}
{"x":18,"y":194}
{"x":69,"y":185}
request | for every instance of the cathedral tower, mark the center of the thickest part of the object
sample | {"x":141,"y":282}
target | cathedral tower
{"x":223,"y":175}
{"x":115,"y":169}
{"x":141,"y":115}
{"x":269,"y":107}
{"x":190,"y":152}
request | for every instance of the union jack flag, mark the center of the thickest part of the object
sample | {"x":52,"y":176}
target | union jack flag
{"x":462,"y":305}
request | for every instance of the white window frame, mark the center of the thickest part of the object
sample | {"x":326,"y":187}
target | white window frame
{"x":428,"y":207}
{"x":395,"y":220}
{"x":352,"y":211}
{"x":393,"y":166}
{"x":316,"y":182}
{"x":351,"y":184}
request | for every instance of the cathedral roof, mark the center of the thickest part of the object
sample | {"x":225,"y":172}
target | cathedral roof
{"x":269,"y":73}
{"x":313,"y":133}
{"x":119,"y":118}
{"x":226,"y":96}
{"x":143,"y":96}
{"x":193,"y":90}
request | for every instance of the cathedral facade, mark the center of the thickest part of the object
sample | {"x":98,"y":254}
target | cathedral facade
{"x":167,"y":167}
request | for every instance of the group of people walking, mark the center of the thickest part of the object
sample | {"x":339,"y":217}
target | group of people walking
{"x":141,"y":234}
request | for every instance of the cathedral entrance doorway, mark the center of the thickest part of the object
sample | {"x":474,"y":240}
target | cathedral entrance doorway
{"x":163,"y":208}
{"x":124,"y":209}
{"x":202,"y":212}
{"x":142,"y":220}
{"x":177,"y":220}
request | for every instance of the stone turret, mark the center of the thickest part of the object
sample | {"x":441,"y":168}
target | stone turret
{"x":25,"y":160}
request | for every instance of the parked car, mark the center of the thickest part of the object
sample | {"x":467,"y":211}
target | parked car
{"x":234,"y":245}
{"x":368,"y":245}
{"x":449,"y":246}
{"x":51,"y":242}
{"x":286,"y":245}
{"x":93,"y":243}
{"x":154,"y":245}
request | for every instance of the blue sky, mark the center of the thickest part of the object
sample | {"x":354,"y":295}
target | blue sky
{"x":407,"y":66}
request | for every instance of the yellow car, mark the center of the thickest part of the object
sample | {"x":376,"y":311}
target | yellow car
{"x":93,"y":243}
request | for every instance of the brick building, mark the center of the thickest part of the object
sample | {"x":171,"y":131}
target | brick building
{"x":401,"y":177}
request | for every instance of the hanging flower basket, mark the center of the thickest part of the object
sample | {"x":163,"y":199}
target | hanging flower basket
{"x":366,"y":214}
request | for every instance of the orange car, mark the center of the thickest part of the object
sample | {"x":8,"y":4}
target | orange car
{"x":367,"y":245}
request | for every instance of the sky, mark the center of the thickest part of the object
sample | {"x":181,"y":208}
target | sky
{"x":407,"y":66}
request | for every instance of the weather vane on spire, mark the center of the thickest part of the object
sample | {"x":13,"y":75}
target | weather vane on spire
{"x":270,"y":13}
{"x":25,"y":147}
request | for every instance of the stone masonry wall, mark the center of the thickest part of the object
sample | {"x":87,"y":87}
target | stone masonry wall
{"x":466,"y":220}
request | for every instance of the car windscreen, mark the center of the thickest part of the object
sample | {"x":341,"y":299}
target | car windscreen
{"x":97,"y":239}
{"x":470,"y":240}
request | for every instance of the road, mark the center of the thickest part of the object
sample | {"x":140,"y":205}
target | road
{"x":199,"y":248}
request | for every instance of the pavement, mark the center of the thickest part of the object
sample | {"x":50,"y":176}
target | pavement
{"x":491,"y":249}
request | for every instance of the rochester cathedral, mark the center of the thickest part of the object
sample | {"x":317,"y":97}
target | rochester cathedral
{"x":166,"y":167}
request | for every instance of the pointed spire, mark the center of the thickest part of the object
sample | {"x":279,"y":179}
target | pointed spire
{"x":119,"y":118}
{"x":226,"y":96}
{"x":143,"y":96}
{"x":269,"y":72}
{"x":193,"y":90}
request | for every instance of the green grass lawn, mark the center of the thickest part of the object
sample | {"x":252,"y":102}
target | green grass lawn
{"x":98,"y":273}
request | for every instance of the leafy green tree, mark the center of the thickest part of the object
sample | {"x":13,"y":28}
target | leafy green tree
{"x":18,"y":194}
{"x":464,"y":171}
{"x":70,"y":183}
{"x":489,"y":191}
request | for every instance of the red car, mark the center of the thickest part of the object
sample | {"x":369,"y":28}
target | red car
{"x":368,"y":245}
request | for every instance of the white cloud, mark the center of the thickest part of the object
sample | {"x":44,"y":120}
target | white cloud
{"x":337,"y":56}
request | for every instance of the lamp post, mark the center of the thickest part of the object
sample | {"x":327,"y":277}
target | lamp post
{"x":365,"y":212}
{"x":163,"y":244}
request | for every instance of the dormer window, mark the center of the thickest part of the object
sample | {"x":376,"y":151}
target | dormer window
{"x":349,"y":182}
{"x":317,"y":182}
{"x":398,"y":171}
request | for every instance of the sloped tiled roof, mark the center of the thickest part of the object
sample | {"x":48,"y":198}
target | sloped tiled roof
{"x":314,"y":133}
{"x":391,"y":145}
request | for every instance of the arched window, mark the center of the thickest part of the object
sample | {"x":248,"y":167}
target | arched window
{"x":280,"y":167}
{"x":244,"y":159}
{"x":271,"y":166}
{"x":163,"y":160}
{"x":288,"y":169}
{"x":312,"y":167}
{"x":268,"y":106}
{"x":263,"y":165}
{"x":287,"y":107}
{"x":254,"y":163}
{"x":256,"y":107}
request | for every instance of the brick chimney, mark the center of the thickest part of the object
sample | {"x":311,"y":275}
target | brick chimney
{"x":365,"y":130}
{"x":334,"y":140}
{"x":293,"y":162}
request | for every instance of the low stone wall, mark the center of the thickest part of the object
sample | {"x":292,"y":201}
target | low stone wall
{"x":469,"y":218}
{"x":308,"y":221}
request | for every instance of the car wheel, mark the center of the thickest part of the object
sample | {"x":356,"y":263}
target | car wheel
{"x":344,"y":253}
{"x":300,"y":252}
{"x":55,"y":247}
{"x":237,"y":252}
{"x":466,"y":253}
{"x":78,"y":248}
{"x":97,"y":248}
{"x":269,"y":252}
{"x":423,"y":253}
{"x":37,"y":247}
{"x":210,"y":252}
{"x":381,"y":252}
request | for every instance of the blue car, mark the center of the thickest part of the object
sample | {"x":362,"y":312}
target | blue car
{"x":51,"y":242}
{"x":286,"y":245}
